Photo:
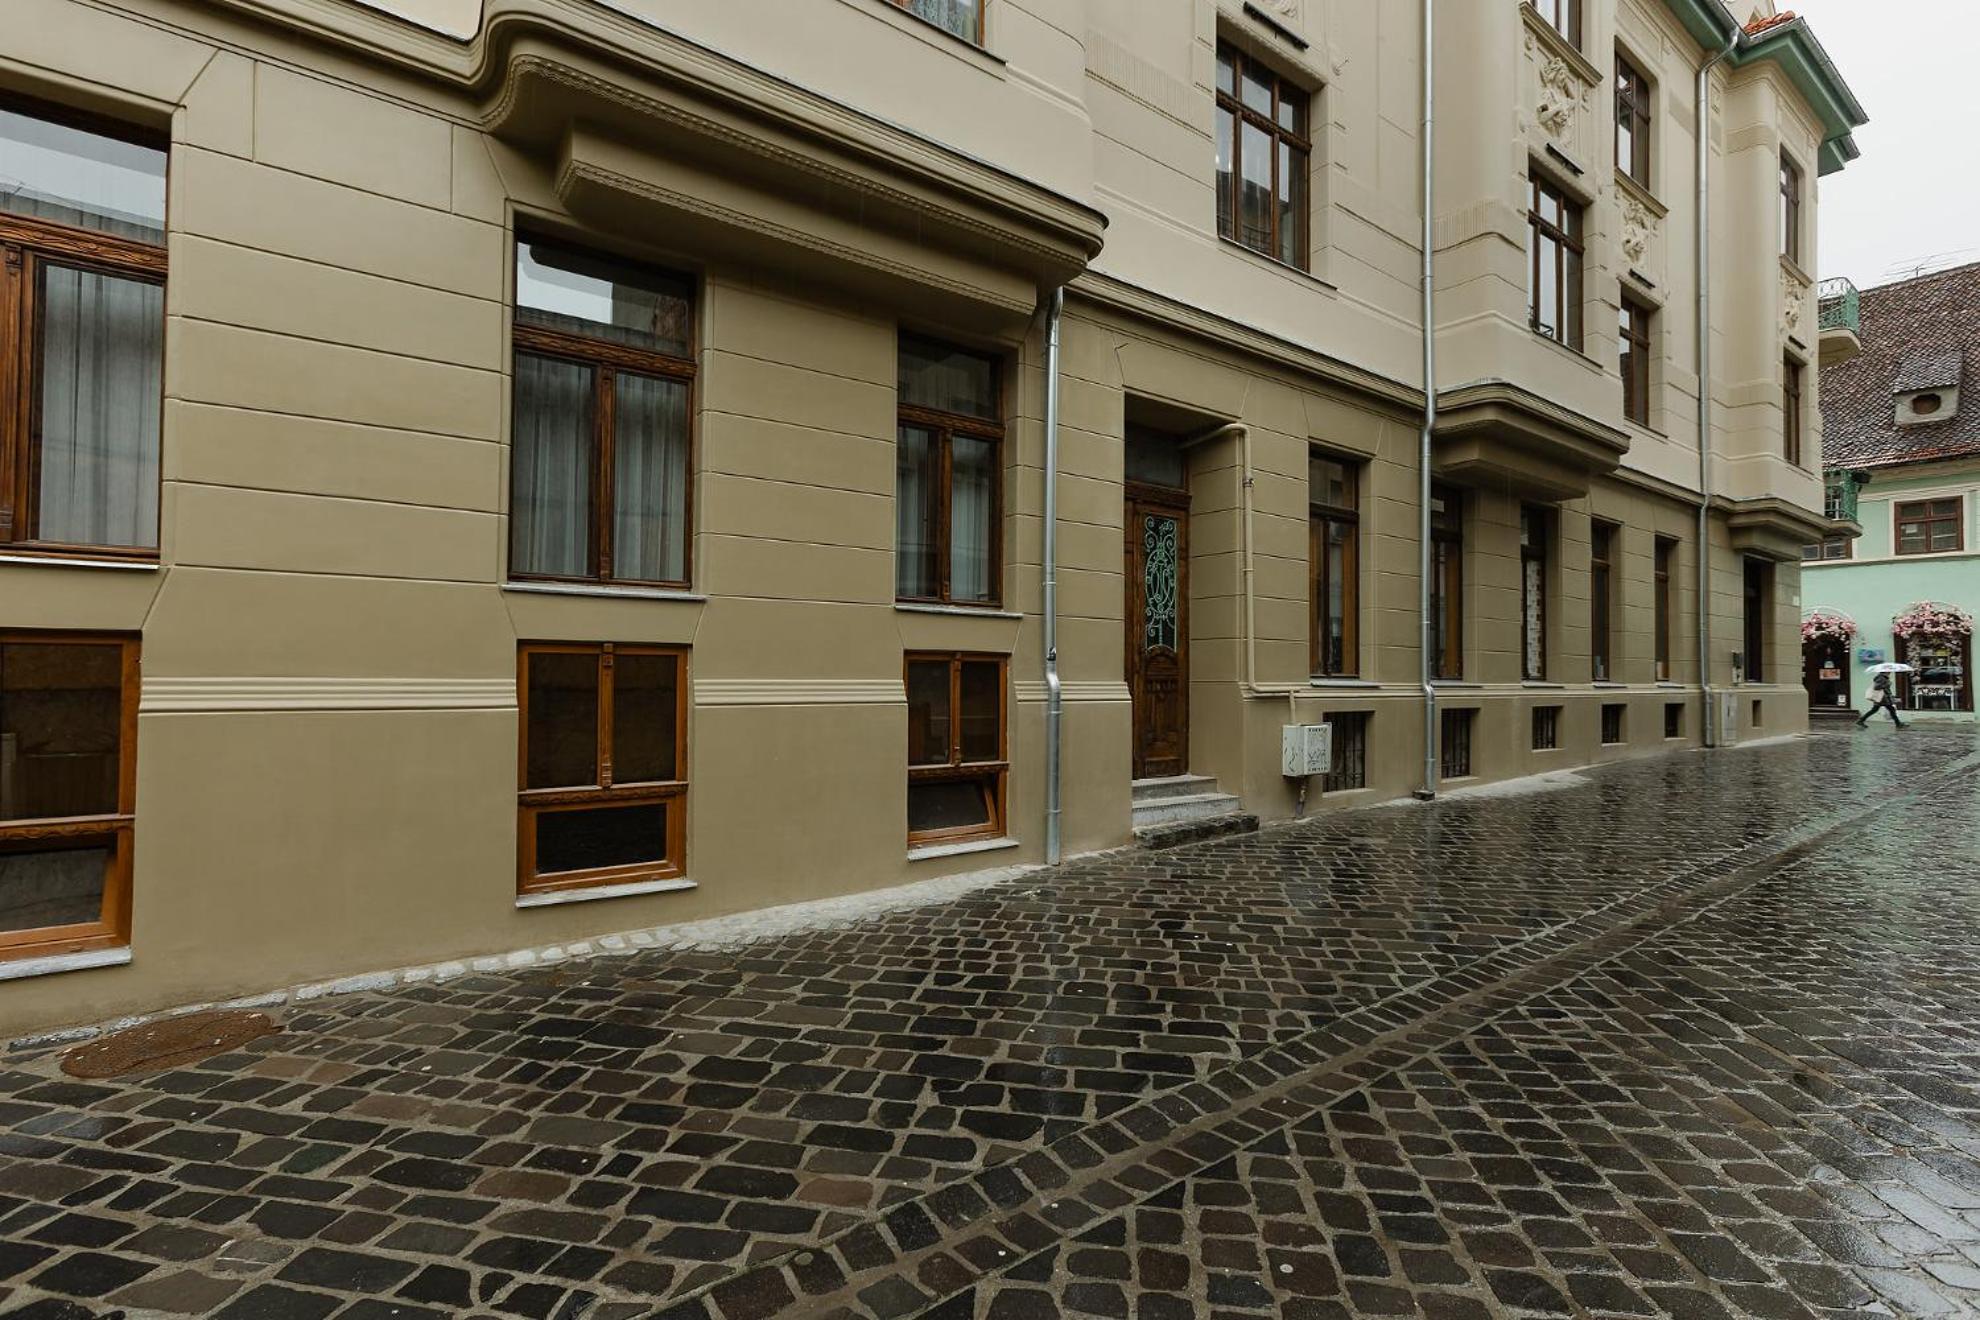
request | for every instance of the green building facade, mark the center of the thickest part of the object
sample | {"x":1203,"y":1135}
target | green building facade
{"x":1902,"y":453}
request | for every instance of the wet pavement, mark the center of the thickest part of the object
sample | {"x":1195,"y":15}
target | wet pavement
{"x":1695,"y":1036}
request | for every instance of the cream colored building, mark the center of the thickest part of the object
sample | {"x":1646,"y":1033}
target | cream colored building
{"x":477,"y":474}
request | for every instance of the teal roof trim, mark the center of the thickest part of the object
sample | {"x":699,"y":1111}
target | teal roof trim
{"x":1793,"y":46}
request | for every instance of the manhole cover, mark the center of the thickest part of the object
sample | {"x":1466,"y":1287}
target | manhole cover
{"x":169,"y":1043}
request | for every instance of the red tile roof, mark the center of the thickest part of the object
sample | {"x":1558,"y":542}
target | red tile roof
{"x":1759,"y":25}
{"x":1918,"y":334}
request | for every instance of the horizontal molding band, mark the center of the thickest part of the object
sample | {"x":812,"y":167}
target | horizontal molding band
{"x":179,"y":695}
{"x":799,"y":692}
{"x":1075,"y":690}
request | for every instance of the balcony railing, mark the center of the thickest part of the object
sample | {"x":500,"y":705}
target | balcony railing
{"x":1839,"y":495}
{"x":1841,"y":309}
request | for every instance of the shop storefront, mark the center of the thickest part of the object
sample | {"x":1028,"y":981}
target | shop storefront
{"x":1825,"y":641}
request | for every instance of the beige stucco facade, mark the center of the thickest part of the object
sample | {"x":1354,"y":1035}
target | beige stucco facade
{"x":327,"y":737}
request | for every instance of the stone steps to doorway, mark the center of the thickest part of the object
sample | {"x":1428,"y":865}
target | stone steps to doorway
{"x":1185,"y":808}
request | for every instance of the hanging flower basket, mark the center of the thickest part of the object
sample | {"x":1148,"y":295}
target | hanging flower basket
{"x":1827,"y":626}
{"x":1929,"y":618}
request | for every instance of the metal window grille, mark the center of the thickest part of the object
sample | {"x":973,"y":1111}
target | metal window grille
{"x":1454,"y":742}
{"x":1546,"y":728}
{"x":1612,"y":724}
{"x":1350,"y":768}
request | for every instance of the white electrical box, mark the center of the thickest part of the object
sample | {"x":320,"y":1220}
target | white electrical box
{"x":1308,"y":749}
{"x":1728,"y":730}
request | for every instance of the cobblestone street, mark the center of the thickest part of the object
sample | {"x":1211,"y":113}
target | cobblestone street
{"x":1692,"y":1036}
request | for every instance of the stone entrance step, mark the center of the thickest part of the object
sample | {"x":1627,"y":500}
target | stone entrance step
{"x":1184,"y":808}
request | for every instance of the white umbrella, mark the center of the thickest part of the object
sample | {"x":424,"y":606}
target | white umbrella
{"x":1891,"y":668}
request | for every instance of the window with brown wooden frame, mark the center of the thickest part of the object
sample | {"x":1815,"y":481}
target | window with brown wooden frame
{"x":1264,"y":152}
{"x":1791,"y":410}
{"x":1664,"y":609}
{"x":1446,"y":583}
{"x":958,"y":18}
{"x":1554,"y":257}
{"x":949,"y":477}
{"x":1930,"y":527}
{"x":1633,"y":358}
{"x":1334,"y":554}
{"x":1633,"y":121}
{"x":1564,"y":16}
{"x":68,"y":787}
{"x":1533,"y":574}
{"x":600,"y":487}
{"x":602,"y":764}
{"x":1790,"y":209}
{"x":1601,"y":599}
{"x":957,"y":754}
{"x":82,"y":334}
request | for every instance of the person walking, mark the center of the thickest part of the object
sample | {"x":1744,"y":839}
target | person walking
{"x":1881,"y":698}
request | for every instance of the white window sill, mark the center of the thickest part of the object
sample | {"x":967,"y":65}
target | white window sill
{"x":1342,"y":683}
{"x":58,"y":561}
{"x":559,"y":897}
{"x":932,"y":850}
{"x":64,"y":962}
{"x":1606,"y":686}
{"x":955,"y":611}
{"x":609,"y":592}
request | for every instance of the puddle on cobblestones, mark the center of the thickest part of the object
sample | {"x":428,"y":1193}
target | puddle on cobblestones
{"x":170,"y":1043}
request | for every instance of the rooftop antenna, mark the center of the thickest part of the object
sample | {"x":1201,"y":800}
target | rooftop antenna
{"x":1929,"y":265}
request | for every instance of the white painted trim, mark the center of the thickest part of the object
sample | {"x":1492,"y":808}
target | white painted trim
{"x":927,"y":851}
{"x":559,"y":897}
{"x":1074,"y":690}
{"x":1348,"y":684}
{"x":169,"y":695}
{"x":64,"y":962}
{"x":603,"y":591}
{"x":953,"y":611}
{"x":116,"y":565}
{"x":800,"y":692}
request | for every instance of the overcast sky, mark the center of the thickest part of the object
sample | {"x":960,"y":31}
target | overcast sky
{"x":1915,"y":194}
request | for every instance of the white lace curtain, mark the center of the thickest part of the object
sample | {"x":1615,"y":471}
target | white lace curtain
{"x":957,"y":16}
{"x":550,"y":523}
{"x":101,"y":359}
{"x":650,"y":462}
{"x":972,"y":506}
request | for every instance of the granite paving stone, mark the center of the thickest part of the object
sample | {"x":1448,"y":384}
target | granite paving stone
{"x":1687,"y":1036}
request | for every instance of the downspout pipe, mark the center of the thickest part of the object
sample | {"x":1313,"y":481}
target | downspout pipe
{"x":1703,"y":201}
{"x":1429,"y":292}
{"x":1054,"y":692}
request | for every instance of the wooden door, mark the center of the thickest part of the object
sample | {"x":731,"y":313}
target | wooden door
{"x":1157,"y":527}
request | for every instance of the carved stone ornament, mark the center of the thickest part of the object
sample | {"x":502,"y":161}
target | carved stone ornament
{"x":1561,"y":95}
{"x":1288,"y":8}
{"x":1639,"y":226}
{"x":1794,"y":301}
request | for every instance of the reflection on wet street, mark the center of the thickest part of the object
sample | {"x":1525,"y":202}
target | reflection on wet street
{"x":1693,"y":1036}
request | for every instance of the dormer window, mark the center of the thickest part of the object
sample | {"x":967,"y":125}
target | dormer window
{"x":1926,"y":389}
